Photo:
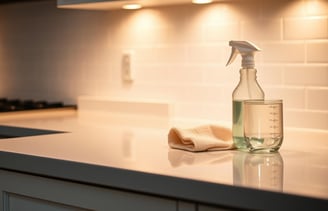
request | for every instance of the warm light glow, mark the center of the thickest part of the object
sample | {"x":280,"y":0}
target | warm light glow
{"x":201,"y":1}
{"x":131,"y":6}
{"x":147,"y":27}
{"x":313,"y":7}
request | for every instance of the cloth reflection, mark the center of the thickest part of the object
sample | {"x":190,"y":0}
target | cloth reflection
{"x":258,"y":170}
{"x":180,"y":157}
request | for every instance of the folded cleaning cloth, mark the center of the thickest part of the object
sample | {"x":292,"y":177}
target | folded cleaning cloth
{"x":202,"y":138}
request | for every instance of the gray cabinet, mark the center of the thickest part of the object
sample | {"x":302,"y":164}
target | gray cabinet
{"x":20,"y":191}
{"x":33,"y":193}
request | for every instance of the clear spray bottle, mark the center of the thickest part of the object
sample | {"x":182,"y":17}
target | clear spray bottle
{"x":247,"y":88}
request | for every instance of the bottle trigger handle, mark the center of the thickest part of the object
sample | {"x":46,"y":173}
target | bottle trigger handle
{"x":233,"y":55}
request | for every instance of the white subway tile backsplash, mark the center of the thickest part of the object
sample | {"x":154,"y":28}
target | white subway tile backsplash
{"x":216,"y":74}
{"x":262,"y":29}
{"x":207,"y":54}
{"x":140,"y":113}
{"x":290,"y":9}
{"x":293,"y":97}
{"x":175,"y":74}
{"x":306,"y":119}
{"x":283,"y":52}
{"x":204,"y":94}
{"x":306,"y":75}
{"x":315,"y":8}
{"x":145,"y":55}
{"x":317,"y":93}
{"x":306,"y":28}
{"x":221,"y":31}
{"x":270,"y":74}
{"x":174,"y":54}
{"x":317,"y":52}
{"x":212,"y":112}
{"x":180,"y":55}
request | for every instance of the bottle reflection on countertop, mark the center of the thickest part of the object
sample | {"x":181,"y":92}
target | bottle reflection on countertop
{"x":258,"y":170}
{"x":128,"y":145}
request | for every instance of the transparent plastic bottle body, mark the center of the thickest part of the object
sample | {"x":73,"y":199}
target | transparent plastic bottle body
{"x":247,"y":89}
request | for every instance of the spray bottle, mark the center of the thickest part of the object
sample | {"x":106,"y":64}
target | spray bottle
{"x":247,"y":88}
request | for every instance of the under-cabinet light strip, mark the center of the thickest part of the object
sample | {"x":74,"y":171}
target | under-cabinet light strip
{"x":202,"y":1}
{"x":138,"y":6}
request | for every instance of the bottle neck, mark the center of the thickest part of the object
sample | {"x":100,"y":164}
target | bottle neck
{"x":248,"y":87}
{"x":248,"y":74}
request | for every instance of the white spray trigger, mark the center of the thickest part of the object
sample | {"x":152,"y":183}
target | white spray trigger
{"x":246,"y":49}
{"x":233,"y":55}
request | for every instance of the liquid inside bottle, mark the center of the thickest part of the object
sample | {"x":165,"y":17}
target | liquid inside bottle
{"x":238,"y":124}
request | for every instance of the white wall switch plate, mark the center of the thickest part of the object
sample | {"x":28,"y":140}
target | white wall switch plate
{"x":127,"y":67}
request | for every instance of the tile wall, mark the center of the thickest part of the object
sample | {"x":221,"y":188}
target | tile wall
{"x":180,"y":54}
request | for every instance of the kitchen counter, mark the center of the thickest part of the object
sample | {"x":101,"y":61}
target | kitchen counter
{"x":138,"y":159}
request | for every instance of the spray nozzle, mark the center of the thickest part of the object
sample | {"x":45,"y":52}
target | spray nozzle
{"x":246,"y":50}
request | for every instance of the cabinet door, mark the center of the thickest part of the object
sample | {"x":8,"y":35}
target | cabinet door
{"x":28,"y":192}
{"x":202,"y":207}
{"x":186,"y":206}
{"x":192,"y":206}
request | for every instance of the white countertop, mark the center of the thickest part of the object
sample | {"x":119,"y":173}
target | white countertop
{"x":300,"y":169}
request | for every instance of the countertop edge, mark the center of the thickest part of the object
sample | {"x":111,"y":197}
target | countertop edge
{"x":155,"y":184}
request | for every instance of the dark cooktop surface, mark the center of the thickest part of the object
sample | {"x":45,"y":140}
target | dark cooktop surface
{"x":9,"y":105}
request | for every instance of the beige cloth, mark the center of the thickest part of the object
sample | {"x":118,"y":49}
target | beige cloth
{"x":202,"y":138}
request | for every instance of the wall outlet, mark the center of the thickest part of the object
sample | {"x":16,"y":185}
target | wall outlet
{"x":127,"y":67}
